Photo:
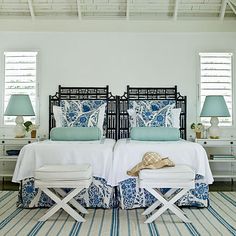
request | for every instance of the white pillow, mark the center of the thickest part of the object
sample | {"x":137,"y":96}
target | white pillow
{"x":57,"y":112}
{"x":175,"y":115}
{"x":132,"y":117}
{"x":101,"y":117}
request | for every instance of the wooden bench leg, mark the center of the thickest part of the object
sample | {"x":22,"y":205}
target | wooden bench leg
{"x":36,"y":198}
{"x":62,"y":203}
{"x":158,"y":203}
{"x":73,"y":202}
{"x":167,"y":205}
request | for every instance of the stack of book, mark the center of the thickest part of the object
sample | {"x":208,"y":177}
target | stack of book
{"x":222,"y":156}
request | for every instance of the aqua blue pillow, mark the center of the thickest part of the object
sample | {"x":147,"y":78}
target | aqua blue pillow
{"x":75,"y":134}
{"x":155,"y":134}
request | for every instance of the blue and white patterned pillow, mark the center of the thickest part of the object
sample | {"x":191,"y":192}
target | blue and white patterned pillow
{"x":150,"y":113}
{"x":81,"y":105}
{"x":83,"y":113}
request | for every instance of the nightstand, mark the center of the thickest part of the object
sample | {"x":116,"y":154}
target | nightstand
{"x":223,"y":166}
{"x":8,"y":162}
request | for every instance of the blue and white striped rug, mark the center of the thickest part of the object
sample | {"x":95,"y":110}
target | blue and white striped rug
{"x":218,"y":219}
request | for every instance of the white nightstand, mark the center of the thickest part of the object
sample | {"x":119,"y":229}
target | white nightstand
{"x":221,"y":167}
{"x":7,"y":163}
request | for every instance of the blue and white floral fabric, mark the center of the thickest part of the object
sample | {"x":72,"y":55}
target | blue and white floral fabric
{"x":131,"y":196}
{"x":150,"y":113}
{"x":99,"y":194}
{"x":83,"y":113}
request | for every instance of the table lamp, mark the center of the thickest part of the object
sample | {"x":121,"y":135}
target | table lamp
{"x":19,"y":105}
{"x":214,"y":106}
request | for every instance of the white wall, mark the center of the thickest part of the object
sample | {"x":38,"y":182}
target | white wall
{"x":117,"y":59}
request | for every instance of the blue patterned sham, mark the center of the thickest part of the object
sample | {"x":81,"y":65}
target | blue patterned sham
{"x":150,"y":113}
{"x":83,"y":113}
{"x":80,"y":105}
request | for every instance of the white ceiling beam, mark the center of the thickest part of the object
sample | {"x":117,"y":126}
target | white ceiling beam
{"x":223,"y":8}
{"x":31,"y":9}
{"x":79,"y":10}
{"x":127,"y":9}
{"x":233,"y":1}
{"x":232,"y":7}
{"x":176,"y":9}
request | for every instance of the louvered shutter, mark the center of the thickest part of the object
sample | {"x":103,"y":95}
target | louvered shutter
{"x":20,"y":78}
{"x":216,"y":79}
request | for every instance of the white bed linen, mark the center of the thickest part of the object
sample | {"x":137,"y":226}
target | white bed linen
{"x":97,"y":153}
{"x":128,"y":153}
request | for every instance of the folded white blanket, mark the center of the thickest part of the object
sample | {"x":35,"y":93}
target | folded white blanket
{"x":128,"y":153}
{"x":97,"y":153}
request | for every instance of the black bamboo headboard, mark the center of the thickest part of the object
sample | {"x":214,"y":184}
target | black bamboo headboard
{"x":88,"y":93}
{"x":136,"y":93}
{"x":116,"y":124}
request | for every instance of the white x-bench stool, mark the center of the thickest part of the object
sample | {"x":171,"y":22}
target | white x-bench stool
{"x":57,"y":177}
{"x":179,"y":179}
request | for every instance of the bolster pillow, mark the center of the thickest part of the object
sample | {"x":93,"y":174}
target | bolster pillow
{"x":75,"y":134}
{"x":155,"y":134}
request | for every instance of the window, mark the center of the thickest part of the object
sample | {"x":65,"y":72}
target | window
{"x":216,"y":79}
{"x":20,"y":78}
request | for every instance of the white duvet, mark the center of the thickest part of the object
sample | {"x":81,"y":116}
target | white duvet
{"x":127,"y":153}
{"x":109,"y":159}
{"x":98,"y":153}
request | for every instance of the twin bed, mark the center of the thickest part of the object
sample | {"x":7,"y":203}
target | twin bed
{"x":116,"y":153}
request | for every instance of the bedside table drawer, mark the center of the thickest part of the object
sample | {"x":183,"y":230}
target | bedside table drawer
{"x":7,"y":168}
{"x":11,"y":147}
{"x":221,"y":155}
{"x":16,"y":141}
{"x":216,"y":142}
{"x":8,"y":162}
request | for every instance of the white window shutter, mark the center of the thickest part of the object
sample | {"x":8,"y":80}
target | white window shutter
{"x":20,"y":78}
{"x":216,"y":79}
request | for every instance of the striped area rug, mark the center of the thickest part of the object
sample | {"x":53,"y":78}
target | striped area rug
{"x":218,"y":219}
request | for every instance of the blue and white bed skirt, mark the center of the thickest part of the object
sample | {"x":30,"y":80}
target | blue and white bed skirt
{"x":98,"y":195}
{"x":131,"y":196}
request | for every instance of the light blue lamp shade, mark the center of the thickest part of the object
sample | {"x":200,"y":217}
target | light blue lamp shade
{"x":214,"y":106}
{"x":19,"y":105}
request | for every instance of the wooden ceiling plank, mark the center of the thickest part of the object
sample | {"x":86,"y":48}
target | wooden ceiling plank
{"x":121,"y":9}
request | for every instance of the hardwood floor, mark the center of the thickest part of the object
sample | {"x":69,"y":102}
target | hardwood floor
{"x":8,"y":186}
{"x":226,"y":186}
{"x":215,"y":187}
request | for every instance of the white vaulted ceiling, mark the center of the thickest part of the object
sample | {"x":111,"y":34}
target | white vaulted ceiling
{"x":119,"y":9}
